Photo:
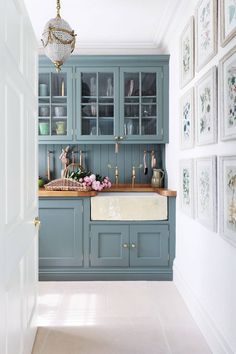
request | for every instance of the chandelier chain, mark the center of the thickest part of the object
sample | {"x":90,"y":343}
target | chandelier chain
{"x":58,"y":8}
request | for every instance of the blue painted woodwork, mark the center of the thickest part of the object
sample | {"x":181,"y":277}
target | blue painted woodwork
{"x":72,"y":247}
{"x":61,"y":234}
{"x":150,"y":245}
{"x":118,"y":65}
{"x":107,"y":246}
{"x":54,"y":99}
{"x":97,"y":158}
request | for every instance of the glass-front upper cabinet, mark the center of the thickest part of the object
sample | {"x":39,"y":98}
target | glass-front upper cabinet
{"x":55,"y":104}
{"x":97,"y":98}
{"x":141,"y":103}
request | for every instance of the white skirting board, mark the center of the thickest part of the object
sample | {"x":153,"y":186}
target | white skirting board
{"x":214,"y":338}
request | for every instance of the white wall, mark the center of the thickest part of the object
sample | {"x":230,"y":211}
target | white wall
{"x":205,"y":264}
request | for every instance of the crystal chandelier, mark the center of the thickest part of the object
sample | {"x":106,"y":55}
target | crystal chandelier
{"x":58,"y":39}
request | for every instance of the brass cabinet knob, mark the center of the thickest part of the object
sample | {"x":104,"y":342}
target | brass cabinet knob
{"x":37,"y":222}
{"x":125,"y":245}
{"x":121,"y":138}
{"x":133,"y":245}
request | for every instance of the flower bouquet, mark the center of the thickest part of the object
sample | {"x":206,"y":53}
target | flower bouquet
{"x":90,"y":180}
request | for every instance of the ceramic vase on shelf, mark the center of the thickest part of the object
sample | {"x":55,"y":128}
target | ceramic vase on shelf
{"x":157,"y":178}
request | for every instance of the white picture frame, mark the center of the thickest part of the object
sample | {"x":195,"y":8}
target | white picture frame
{"x":206,"y":108}
{"x":187,"y":53}
{"x":205,"y":187}
{"x":206,"y":32}
{"x":187,"y":120}
{"x":227,"y":192}
{"x":186,"y":186}
{"x":227,"y":86}
{"x":227,"y":21}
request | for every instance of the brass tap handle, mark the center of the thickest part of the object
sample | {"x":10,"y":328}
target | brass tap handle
{"x":116,"y":175}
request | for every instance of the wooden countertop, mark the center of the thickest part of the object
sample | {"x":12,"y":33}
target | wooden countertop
{"x":114,"y":188}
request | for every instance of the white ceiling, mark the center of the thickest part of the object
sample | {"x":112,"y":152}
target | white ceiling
{"x":109,"y":24}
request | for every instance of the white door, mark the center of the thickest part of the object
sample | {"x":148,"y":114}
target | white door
{"x":18,"y":179}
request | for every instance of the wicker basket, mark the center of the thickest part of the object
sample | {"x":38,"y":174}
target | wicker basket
{"x":66,"y":184}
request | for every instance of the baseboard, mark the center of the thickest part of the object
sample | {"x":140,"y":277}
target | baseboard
{"x":214,"y":338}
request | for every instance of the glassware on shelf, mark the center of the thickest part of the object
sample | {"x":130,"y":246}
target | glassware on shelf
{"x":60,"y":128}
{"x":44,"y":111}
{"x":59,"y":111}
{"x":43,"y":90}
{"x":92,"y":86}
{"x":62,"y":87}
{"x":93,"y":109}
{"x":131,"y":88}
{"x":109,"y":87}
{"x":44,"y":128}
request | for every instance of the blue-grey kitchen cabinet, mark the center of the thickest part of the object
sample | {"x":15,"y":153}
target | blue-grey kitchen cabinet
{"x":114,"y":98}
{"x":141,"y":245}
{"x":74,"y":247}
{"x":61,"y":233}
{"x":55,"y":97}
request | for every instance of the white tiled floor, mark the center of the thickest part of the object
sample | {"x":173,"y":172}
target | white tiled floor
{"x":115,"y":318}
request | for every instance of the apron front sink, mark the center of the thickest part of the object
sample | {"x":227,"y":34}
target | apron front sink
{"x":129,"y":206}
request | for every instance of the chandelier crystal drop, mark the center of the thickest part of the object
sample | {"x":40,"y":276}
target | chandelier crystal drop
{"x":58,"y":39}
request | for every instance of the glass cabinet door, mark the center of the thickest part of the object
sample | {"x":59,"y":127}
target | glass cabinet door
{"x":96,"y":109}
{"x":54,"y":98}
{"x":141,"y":100}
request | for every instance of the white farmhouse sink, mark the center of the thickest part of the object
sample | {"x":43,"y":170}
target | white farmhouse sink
{"x":129,"y":206}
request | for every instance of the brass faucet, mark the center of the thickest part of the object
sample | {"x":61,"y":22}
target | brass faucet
{"x":133,"y":176}
{"x":116,"y":175}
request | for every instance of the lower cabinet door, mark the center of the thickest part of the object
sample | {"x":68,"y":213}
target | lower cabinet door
{"x":109,"y":246}
{"x":149,"y":245}
{"x":61,"y":233}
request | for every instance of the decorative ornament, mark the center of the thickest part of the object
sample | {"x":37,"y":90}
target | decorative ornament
{"x":58,"y":39}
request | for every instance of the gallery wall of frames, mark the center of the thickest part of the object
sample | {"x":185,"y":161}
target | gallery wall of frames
{"x":208,"y":184}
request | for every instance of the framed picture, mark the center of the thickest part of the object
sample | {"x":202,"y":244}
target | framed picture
{"x":206,"y":209}
{"x":206,"y":108}
{"x":228,"y":95}
{"x":187,"y":53}
{"x":227,"y":21}
{"x":206,"y":32}
{"x":186,"y":186}
{"x":227,"y":188}
{"x":187,"y":120}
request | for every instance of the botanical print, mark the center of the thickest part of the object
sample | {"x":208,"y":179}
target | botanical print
{"x":228,"y":95}
{"x":230,"y":15}
{"x":186,"y":54}
{"x":231,"y":197}
{"x":186,"y":186}
{"x":205,"y":27}
{"x":228,"y":20}
{"x":206,"y":31}
{"x":205,"y":111}
{"x":186,"y":118}
{"x":206,"y":191}
{"x":206,"y":108}
{"x":231,"y":96}
{"x":228,"y":197}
